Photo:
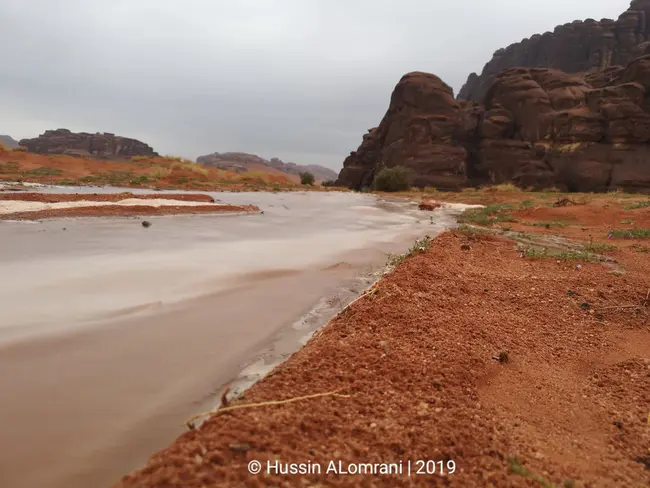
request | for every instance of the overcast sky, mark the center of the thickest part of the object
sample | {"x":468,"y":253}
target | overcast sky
{"x":298,"y":79}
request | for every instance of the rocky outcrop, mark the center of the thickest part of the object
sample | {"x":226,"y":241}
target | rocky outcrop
{"x":242,"y":162}
{"x":422,"y":130}
{"x":8,"y":142}
{"x":102,"y":146}
{"x":573,"y":48}
{"x":535,"y":127}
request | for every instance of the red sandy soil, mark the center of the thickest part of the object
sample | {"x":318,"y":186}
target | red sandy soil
{"x":159,"y":172}
{"x":127,"y":211}
{"x":419,"y":354}
{"x":110,"y":197}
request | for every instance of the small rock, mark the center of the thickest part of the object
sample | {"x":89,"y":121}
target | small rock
{"x":243,"y":447}
{"x":465,"y":247}
{"x":618,"y":424}
{"x":429,"y":205}
{"x":146,"y":224}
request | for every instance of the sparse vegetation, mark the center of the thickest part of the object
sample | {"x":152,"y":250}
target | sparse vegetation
{"x":19,"y":149}
{"x":45,"y":171}
{"x":515,"y":467}
{"x":638,"y":233}
{"x":307,"y":178}
{"x":392,"y":179}
{"x":3,"y":148}
{"x":548,"y":225}
{"x":10,"y":167}
{"x":638,"y":205}
{"x":526,"y":205}
{"x":329,"y":183}
{"x":191,"y":166}
{"x":599,"y":247}
{"x":468,"y":230}
{"x":504,"y":187}
{"x":488,"y":215}
{"x":419,"y":246}
{"x":565,"y":255}
{"x":161,"y":172}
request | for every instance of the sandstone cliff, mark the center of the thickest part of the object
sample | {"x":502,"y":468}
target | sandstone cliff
{"x":242,"y":162}
{"x":536,"y":127}
{"x":573,"y":48}
{"x":102,"y":146}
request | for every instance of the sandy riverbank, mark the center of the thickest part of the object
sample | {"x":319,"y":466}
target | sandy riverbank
{"x":524,"y":357}
{"x":36,"y":206}
{"x":112,"y":336}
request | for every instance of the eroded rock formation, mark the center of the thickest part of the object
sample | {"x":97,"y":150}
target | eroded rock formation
{"x":102,"y":146}
{"x":422,"y":130}
{"x":535,"y":127}
{"x":573,"y":48}
{"x":242,"y":162}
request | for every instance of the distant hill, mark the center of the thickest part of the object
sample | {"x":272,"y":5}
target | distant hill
{"x":242,"y":162}
{"x":8,"y":141}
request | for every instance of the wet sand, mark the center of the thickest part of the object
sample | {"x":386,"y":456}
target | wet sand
{"x":112,"y":335}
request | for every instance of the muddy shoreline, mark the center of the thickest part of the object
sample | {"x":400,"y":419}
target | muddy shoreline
{"x":173,"y":304}
{"x":520,"y":352}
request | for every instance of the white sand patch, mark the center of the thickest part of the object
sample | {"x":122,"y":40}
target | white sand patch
{"x":13,"y":206}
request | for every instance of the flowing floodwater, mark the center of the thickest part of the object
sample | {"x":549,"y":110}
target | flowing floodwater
{"x":111,"y":335}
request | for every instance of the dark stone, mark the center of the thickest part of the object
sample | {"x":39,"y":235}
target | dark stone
{"x":101,"y":146}
{"x":576,"y":47}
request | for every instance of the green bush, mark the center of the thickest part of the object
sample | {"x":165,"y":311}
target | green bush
{"x":392,"y":179}
{"x":306,"y":178}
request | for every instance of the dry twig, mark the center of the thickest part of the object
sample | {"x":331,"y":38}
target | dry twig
{"x":190,"y":421}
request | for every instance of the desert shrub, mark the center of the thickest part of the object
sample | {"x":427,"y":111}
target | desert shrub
{"x":45,"y":171}
{"x":19,"y":149}
{"x":329,"y":183}
{"x":392,"y":179}
{"x":503,"y":187}
{"x":306,"y":178}
{"x":191,"y":166}
{"x":160,"y":172}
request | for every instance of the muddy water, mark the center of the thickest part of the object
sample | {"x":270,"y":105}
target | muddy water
{"x":111,"y":335}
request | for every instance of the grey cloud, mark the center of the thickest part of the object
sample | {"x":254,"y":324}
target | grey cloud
{"x":298,"y":79}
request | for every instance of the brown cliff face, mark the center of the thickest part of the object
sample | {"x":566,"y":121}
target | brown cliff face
{"x":537,"y":128}
{"x":573,"y":48}
{"x":422,"y":130}
{"x":102,"y":146}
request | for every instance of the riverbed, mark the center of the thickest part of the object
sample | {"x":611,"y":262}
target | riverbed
{"x":112,"y":334}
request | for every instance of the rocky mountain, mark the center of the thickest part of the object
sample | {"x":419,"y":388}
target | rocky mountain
{"x":8,"y":142}
{"x":102,"y":146}
{"x":242,"y":162}
{"x":586,"y":130}
{"x":573,"y":48}
{"x":536,"y":127}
